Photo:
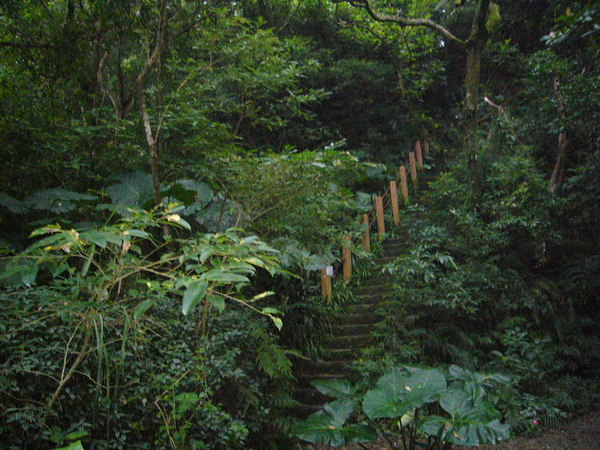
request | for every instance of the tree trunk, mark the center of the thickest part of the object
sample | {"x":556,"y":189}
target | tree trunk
{"x":559,"y":166}
{"x":473,"y":71}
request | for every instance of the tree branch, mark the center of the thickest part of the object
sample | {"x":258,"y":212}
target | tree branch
{"x":404,"y":21}
{"x":14,"y":44}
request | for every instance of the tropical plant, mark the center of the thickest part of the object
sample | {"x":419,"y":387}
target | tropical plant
{"x":405,"y":395}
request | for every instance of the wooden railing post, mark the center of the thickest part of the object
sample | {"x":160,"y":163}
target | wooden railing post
{"x":394,"y":199}
{"x":380,"y":219}
{"x":347,"y":258}
{"x":366,"y":233}
{"x":419,"y":154}
{"x":404,"y":183}
{"x":326,"y":285}
{"x":426,"y":147}
{"x":413,"y":168}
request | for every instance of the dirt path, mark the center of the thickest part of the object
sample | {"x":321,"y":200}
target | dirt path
{"x":582,"y":433}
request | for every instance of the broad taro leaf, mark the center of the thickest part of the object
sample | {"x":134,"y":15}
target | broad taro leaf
{"x":12,"y":205}
{"x":334,"y":387}
{"x":134,"y":189}
{"x":340,"y":409}
{"x":57,"y":200}
{"x":402,"y":390}
{"x":320,"y":428}
{"x":473,"y":428}
{"x":471,"y":423}
{"x":194,"y":194}
{"x":324,"y":428}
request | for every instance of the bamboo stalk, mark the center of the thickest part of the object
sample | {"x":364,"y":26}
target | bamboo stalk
{"x":426,"y":147}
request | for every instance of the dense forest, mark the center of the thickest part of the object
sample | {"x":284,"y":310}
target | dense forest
{"x":177,"y":173}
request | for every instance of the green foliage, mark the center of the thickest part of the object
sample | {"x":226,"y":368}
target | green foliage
{"x":403,"y":395}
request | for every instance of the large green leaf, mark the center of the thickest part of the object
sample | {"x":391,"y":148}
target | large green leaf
{"x":56,"y":200}
{"x":320,"y":428}
{"x":471,"y":429}
{"x":221,"y":276}
{"x":323,"y":428}
{"x":193,"y":294}
{"x":134,"y":189}
{"x":334,"y":387}
{"x":101,"y":238}
{"x":402,"y":390}
{"x":340,"y":409}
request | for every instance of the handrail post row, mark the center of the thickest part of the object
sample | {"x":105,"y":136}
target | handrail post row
{"x":347,"y":258}
{"x":380,"y":219}
{"x":404,"y":183}
{"x":426,"y":147}
{"x":394,"y":200}
{"x":366,"y":233}
{"x":419,"y":153}
{"x":413,"y":168}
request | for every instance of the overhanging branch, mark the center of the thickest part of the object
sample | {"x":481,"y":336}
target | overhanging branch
{"x":404,"y":21}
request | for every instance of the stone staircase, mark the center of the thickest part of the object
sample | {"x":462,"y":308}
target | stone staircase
{"x":351,"y":331}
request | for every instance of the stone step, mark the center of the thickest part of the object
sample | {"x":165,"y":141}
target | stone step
{"x":327,"y":365}
{"x":374,"y":296}
{"x":352,"y":341}
{"x":304,"y":379}
{"x":372,"y":290}
{"x":311,"y":396}
{"x":352,"y":329}
{"x":356,"y":319}
{"x":303,"y":411}
{"x":384,"y":260}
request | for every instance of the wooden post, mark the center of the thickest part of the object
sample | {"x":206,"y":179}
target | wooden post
{"x":326,"y":286}
{"x":347,"y":258}
{"x":366,"y":233}
{"x":419,"y":154}
{"x":380,"y":221}
{"x":395,"y":208}
{"x":426,"y":147}
{"x":404,"y":183}
{"x":413,"y":167}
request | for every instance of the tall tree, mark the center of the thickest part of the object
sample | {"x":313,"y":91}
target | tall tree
{"x":472,"y":45}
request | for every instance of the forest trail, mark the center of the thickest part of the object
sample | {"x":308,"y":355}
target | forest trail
{"x":351,"y":331}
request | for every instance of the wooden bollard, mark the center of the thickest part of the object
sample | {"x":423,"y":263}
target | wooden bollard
{"x":419,"y":153}
{"x":366,"y":233}
{"x":326,"y":285}
{"x":347,"y":258}
{"x":426,"y":147}
{"x":404,"y":183}
{"x":380,"y":220}
{"x":395,"y":207}
{"x":413,"y":167}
